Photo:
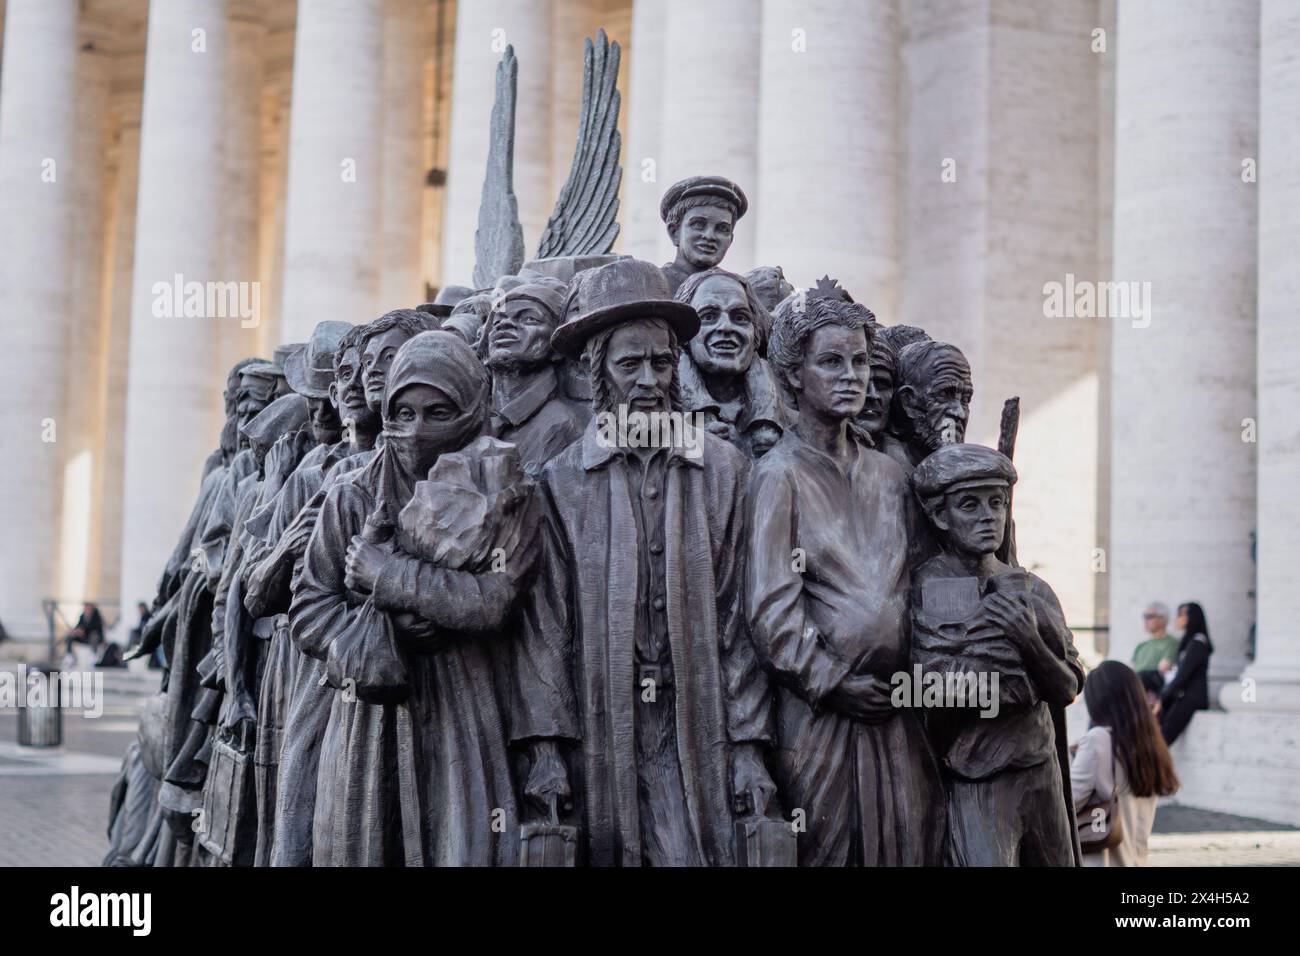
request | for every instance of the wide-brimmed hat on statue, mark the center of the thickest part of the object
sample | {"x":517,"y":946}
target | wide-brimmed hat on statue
{"x":310,"y":371}
{"x":619,"y":292}
{"x":282,"y":353}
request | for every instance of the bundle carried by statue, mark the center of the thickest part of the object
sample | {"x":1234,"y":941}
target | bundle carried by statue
{"x":951,"y":634}
{"x":475,"y":514}
{"x":476,"y":511}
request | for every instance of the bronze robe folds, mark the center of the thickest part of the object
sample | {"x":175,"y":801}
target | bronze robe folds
{"x":415,"y":783}
{"x":584,"y":611}
{"x":827,"y":596}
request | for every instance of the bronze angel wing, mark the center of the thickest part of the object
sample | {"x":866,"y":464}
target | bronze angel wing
{"x":583,"y":222}
{"x":499,"y":239}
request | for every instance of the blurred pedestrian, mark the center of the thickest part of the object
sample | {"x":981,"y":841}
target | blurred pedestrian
{"x":1124,"y":756}
{"x":1161,"y":647}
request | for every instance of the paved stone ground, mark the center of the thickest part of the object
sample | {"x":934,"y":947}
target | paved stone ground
{"x":54,"y":804}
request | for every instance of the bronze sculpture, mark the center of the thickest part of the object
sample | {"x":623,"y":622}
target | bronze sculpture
{"x":661,"y":703}
{"x":931,"y":402}
{"x":431,"y":609}
{"x":701,"y":215}
{"x":724,"y":378}
{"x":1008,"y":772}
{"x":827,"y":590}
{"x":529,"y":409}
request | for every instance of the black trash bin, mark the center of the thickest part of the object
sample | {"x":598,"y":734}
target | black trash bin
{"x":40,"y":725}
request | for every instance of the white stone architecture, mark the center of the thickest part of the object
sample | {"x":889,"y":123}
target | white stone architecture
{"x":1096,"y":201}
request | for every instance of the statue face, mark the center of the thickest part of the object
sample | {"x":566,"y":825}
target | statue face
{"x":639,"y":367}
{"x":728,"y":339}
{"x":832,"y":380}
{"x":255,"y":393}
{"x":880,"y":393}
{"x":940,"y":407}
{"x":973,"y":519}
{"x":348,"y":391}
{"x":704,"y":236}
{"x":423,"y":423}
{"x":520,"y":336}
{"x":325,"y":423}
{"x":376,"y":358}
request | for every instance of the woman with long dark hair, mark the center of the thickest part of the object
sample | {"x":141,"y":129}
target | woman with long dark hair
{"x":1124,"y":755}
{"x":1188,"y":689}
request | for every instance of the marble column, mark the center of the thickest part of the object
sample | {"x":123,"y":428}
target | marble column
{"x":79,"y":531}
{"x":401,"y":284}
{"x":333,"y":224}
{"x":112,"y":427}
{"x":241,"y":160}
{"x":571,"y":21}
{"x":483,"y":29}
{"x":170,"y":389}
{"x":999,"y":198}
{"x":711,"y":104}
{"x":1276,"y":669}
{"x":643,"y":234}
{"x":834,"y":172}
{"x":1183,"y":459}
{"x":38,"y":192}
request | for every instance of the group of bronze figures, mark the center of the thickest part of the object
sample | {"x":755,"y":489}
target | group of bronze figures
{"x":446,"y":599}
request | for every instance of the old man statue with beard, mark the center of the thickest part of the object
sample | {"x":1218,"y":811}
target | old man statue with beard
{"x":634,"y":654}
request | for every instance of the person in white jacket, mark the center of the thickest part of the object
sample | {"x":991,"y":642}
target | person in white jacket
{"x":1122,"y":753}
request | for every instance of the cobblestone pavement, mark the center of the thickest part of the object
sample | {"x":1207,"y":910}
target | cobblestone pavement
{"x":54,"y":804}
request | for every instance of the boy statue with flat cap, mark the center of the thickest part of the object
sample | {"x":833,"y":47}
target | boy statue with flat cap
{"x":701,"y":214}
{"x":1007,"y":766}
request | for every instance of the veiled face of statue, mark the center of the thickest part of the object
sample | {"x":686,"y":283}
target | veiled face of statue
{"x":728,"y":339}
{"x":880,"y":393}
{"x":326,"y":427}
{"x":639,"y":367}
{"x":973,"y":519}
{"x":349,"y":390}
{"x":832,"y":380}
{"x":376,"y":358}
{"x":255,"y":394}
{"x":940,"y":408}
{"x":704,"y":235}
{"x":520,"y":336}
{"x":424,"y":423}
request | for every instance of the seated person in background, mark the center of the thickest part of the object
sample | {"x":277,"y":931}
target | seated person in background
{"x":1188,"y":687}
{"x":89,"y":629}
{"x":1159,"y":651}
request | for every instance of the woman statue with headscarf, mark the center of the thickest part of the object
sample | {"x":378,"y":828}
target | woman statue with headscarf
{"x":414,"y":766}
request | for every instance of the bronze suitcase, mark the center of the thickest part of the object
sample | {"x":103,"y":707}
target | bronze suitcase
{"x":764,"y":842}
{"x":229,"y":827}
{"x":548,"y":844}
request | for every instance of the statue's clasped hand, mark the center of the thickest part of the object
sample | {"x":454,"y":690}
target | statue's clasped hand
{"x":752,"y":785}
{"x":1014,"y":613}
{"x":363,"y":563}
{"x":548,"y":778}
